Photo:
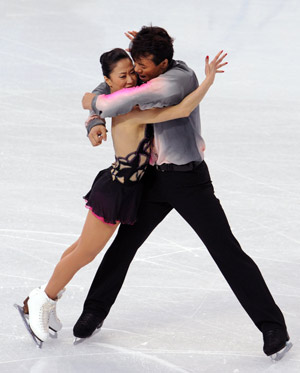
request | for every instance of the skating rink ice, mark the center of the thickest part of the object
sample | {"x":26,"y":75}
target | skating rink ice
{"x":175,"y":312}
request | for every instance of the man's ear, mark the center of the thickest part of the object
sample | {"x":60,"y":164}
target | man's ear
{"x":107,"y":81}
{"x":164,"y":64}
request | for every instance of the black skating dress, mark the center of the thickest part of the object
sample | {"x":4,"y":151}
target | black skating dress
{"x":116,"y":192}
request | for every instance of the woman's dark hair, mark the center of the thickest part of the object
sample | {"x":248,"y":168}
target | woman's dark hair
{"x":108,"y":60}
{"x":155,"y":41}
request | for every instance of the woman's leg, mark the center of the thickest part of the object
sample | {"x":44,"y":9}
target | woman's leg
{"x":94,"y":237}
{"x":70,"y":249}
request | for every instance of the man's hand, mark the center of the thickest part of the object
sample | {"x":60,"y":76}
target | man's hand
{"x":97,"y":134}
{"x":87,"y":101}
{"x":214,"y":67}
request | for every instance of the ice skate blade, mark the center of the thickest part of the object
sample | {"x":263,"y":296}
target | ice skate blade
{"x":24,"y":317}
{"x":280,"y":354}
{"x":52,"y":333}
{"x":78,"y":340}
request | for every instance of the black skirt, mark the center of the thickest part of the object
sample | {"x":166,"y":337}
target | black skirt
{"x":112,"y":201}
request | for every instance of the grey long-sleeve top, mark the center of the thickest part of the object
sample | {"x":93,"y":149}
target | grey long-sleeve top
{"x":176,"y":141}
{"x":93,"y":119}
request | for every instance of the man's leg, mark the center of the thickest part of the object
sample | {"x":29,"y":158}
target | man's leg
{"x":114,"y":266}
{"x":197,"y":204}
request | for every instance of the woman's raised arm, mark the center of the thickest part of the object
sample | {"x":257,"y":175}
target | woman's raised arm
{"x":189,"y":103}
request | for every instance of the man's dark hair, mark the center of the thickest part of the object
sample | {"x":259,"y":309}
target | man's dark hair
{"x":108,"y":60}
{"x":155,"y":41}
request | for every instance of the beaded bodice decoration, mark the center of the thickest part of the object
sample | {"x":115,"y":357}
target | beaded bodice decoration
{"x":132,"y":167}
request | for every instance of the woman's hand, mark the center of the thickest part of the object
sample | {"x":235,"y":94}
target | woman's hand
{"x":97,"y":134}
{"x":130,"y":35}
{"x":213,"y":67}
{"x":87,"y":101}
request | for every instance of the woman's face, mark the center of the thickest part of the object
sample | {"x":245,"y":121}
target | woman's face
{"x":122,"y":76}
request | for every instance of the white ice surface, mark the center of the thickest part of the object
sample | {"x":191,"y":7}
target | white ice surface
{"x":175,"y":312}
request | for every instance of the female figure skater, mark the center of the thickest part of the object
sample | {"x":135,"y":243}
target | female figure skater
{"x":115,"y":194}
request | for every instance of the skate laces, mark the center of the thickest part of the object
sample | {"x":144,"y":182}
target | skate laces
{"x":44,"y":314}
{"x":54,"y":314}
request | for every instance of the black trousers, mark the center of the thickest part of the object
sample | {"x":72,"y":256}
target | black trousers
{"x":191,"y":194}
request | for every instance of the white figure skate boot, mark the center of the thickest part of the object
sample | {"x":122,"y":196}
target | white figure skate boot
{"x":54,"y":322}
{"x":39,"y":309}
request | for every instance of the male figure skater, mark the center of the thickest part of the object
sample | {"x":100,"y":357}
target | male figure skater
{"x":179,"y":179}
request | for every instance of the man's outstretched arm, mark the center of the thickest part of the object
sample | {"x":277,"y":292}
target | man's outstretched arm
{"x":187,"y":105}
{"x":167,"y":89}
